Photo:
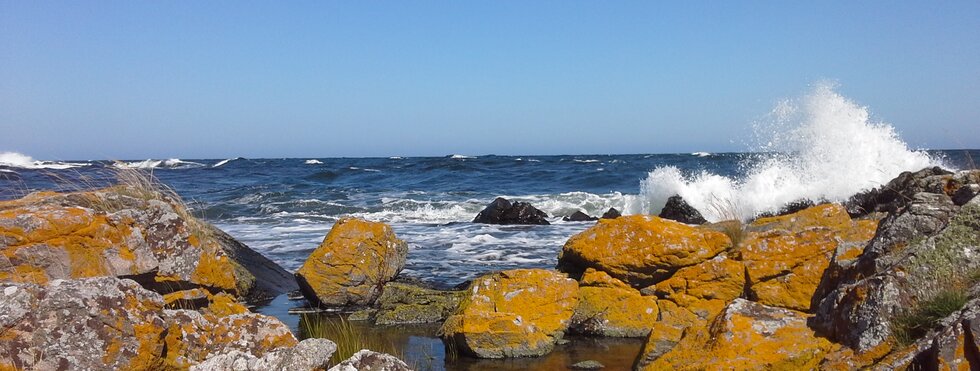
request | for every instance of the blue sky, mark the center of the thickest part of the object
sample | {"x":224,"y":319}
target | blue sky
{"x":135,"y":79}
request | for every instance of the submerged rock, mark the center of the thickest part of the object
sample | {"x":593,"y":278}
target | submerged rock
{"x":352,"y":264}
{"x":502,"y":211}
{"x":402,"y":303}
{"x":132,"y":233}
{"x":747,"y":335}
{"x":514,"y":313}
{"x":679,"y":210}
{"x":640,"y":250}
{"x":579,"y":216}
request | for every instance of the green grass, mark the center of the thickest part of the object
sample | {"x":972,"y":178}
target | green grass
{"x":349,"y":337}
{"x":912,"y":325}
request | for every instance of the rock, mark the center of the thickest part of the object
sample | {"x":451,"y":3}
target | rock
{"x":514,"y":313}
{"x":129,"y":233}
{"x":785,"y":256}
{"x":609,"y":307}
{"x":894,"y":195}
{"x":93,"y":323}
{"x":366,"y":360}
{"x":587,"y":365}
{"x":502,"y":211}
{"x":579,"y":216}
{"x":790,"y":208}
{"x":352,"y":264}
{"x":640,"y":250}
{"x":309,"y":354}
{"x":402,"y":303}
{"x":612,"y":213}
{"x":270,"y":279}
{"x":703,"y":289}
{"x":191,"y":336}
{"x":748,"y":335}
{"x":965,"y":194}
{"x":679,"y":210}
{"x":922,"y":250}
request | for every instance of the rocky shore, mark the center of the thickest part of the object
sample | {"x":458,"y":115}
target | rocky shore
{"x":127,"y":278}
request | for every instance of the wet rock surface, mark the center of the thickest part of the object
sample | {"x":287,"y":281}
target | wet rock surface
{"x":502,"y":211}
{"x":679,"y":210}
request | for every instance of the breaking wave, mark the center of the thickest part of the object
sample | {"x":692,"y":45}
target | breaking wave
{"x":822,"y":146}
{"x":22,"y":161}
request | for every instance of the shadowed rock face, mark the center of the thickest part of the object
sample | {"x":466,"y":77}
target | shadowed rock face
{"x":352,"y":264}
{"x":514,"y":313}
{"x":679,"y":210}
{"x":122,"y":232}
{"x":502,"y":211}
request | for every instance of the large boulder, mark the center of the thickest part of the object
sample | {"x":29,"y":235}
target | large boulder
{"x":926,"y":248}
{"x":502,"y":211}
{"x":679,"y":210}
{"x":640,"y":250}
{"x":609,"y":307}
{"x":747,"y":336}
{"x":352,"y":264}
{"x":514,"y":313}
{"x":128,"y":232}
{"x":785,"y":256}
{"x":897,"y":193}
{"x":108,"y":323}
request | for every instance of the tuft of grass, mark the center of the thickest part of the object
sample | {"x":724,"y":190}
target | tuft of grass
{"x":910,"y":326}
{"x":350,"y":338}
{"x":730,"y":216}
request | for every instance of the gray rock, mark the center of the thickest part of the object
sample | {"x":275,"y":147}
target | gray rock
{"x":402,"y":303}
{"x":679,"y":210}
{"x":502,"y":211}
{"x":587,"y":365}
{"x":366,"y":360}
{"x":309,"y":354}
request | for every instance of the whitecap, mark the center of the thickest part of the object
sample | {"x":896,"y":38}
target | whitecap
{"x":701,"y":154}
{"x":461,"y":157}
{"x":19,"y":160}
{"x":395,"y":158}
{"x":590,"y":161}
{"x":173,"y":163}
{"x":313,"y":162}
{"x":223,"y":162}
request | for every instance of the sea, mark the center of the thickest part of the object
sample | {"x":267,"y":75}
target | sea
{"x":821,"y":146}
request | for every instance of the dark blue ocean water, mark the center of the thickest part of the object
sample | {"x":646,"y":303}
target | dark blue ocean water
{"x":284,"y":207}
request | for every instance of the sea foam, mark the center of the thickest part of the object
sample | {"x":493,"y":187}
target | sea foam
{"x":19,"y":160}
{"x":820,"y":146}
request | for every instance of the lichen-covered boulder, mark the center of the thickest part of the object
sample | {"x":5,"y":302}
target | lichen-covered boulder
{"x":192,"y":336}
{"x":127,"y":232}
{"x":309,"y":355}
{"x":366,"y":360}
{"x":352,"y":264}
{"x":748,"y":336}
{"x":402,"y":303}
{"x":514,"y":313}
{"x":926,"y":248}
{"x":785,"y":256}
{"x":640,"y":250}
{"x":95,"y":323}
{"x":609,"y":307}
{"x":690,"y":298}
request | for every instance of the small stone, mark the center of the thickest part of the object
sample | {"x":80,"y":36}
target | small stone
{"x":588,"y":365}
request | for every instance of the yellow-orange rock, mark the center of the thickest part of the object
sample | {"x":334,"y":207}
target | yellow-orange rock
{"x":192,"y":336}
{"x":640,"y":250}
{"x":609,"y":307}
{"x":689,"y":299}
{"x":748,"y":336}
{"x":514,"y":313}
{"x":785,"y":256}
{"x":352,"y":264}
{"x":118,"y":231}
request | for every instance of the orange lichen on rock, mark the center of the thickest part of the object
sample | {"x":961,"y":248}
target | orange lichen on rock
{"x":785,"y":256}
{"x":748,"y":336}
{"x":640,"y":250}
{"x":352,"y":264}
{"x":609,"y":307}
{"x":514,"y":313}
